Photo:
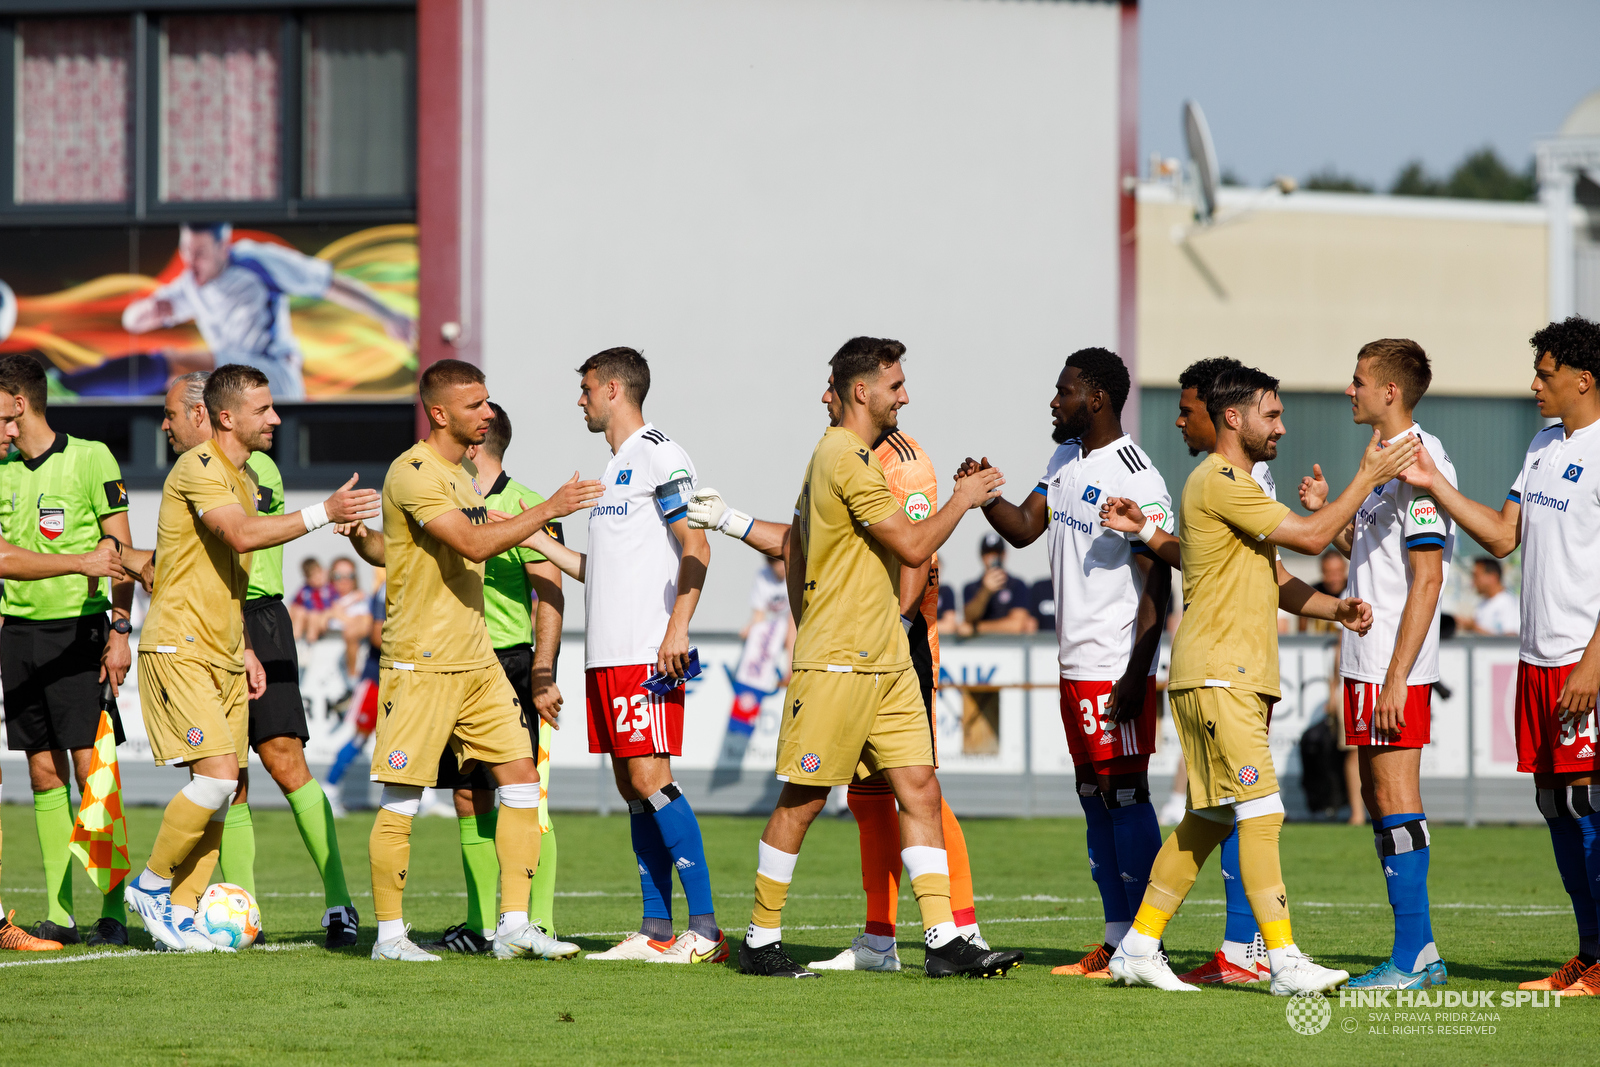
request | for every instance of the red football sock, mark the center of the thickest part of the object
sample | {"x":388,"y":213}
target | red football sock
{"x":955,"y":847}
{"x":878,"y":820}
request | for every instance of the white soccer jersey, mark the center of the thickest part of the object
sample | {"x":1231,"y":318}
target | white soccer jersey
{"x":243,"y":313}
{"x":1097,"y":587}
{"x":763,"y":661}
{"x":1559,"y":490}
{"x":1394,"y":519}
{"x":1498,"y":614}
{"x":631,"y":582}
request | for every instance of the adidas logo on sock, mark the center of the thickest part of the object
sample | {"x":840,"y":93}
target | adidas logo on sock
{"x":1390,"y":872}
{"x":684,"y":863}
{"x":637,"y":736}
{"x":1093,"y":866}
{"x":644,"y":870}
{"x":1126,"y":877}
{"x":1226,"y":877}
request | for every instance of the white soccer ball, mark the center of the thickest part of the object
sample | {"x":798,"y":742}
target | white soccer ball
{"x":229,"y":915}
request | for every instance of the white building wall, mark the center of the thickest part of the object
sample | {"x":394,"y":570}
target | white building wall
{"x":737,"y":188}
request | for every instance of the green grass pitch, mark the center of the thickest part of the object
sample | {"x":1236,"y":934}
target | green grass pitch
{"x":1499,"y":914}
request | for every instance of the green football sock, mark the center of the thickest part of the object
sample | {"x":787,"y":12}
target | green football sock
{"x":238,"y":858}
{"x":542,"y":908}
{"x":112,"y":906}
{"x":52,"y":816}
{"x":482,"y":868}
{"x":313,"y":816}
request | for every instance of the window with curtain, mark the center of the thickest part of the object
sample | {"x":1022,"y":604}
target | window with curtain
{"x":219,"y":125}
{"x":359,"y":101}
{"x":72,"y":113}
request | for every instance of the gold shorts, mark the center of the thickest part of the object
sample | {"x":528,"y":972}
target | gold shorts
{"x":1224,"y":738}
{"x":839,"y":724}
{"x":193,"y":709}
{"x":476,"y":713}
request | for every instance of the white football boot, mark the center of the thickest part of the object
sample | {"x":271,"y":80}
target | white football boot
{"x":154,"y":907}
{"x":690,"y":947}
{"x":635,"y":946}
{"x":196,"y":941}
{"x":861,"y":957}
{"x":531,"y":942}
{"x":402,"y":948}
{"x":1151,"y":970}
{"x":1300,"y":974}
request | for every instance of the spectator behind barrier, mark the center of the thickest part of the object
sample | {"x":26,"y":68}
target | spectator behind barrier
{"x":998,"y":602}
{"x":1498,"y":611}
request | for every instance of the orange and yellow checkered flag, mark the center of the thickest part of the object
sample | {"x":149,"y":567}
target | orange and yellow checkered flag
{"x":100,"y":835}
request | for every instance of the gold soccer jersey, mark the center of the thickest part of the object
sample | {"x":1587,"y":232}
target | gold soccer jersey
{"x":197,"y":573}
{"x":850,"y":619}
{"x":911,"y":478}
{"x":1229,"y":633}
{"x":435,"y":594}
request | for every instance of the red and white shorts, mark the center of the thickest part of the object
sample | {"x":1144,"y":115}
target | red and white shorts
{"x":1545,"y":744}
{"x":627,"y":720}
{"x":1094,"y":737}
{"x":1360,"y":698}
{"x":366,"y":705}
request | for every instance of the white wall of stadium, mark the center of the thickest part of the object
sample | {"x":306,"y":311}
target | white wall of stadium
{"x":737,"y":203}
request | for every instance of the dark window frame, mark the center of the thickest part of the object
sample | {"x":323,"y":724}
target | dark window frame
{"x":144,"y":205}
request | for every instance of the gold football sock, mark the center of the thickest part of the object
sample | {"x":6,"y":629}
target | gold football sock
{"x":182,"y":826}
{"x":1176,"y":866}
{"x":933,"y":899}
{"x":1262,"y":876}
{"x":771,"y":895}
{"x":193,"y":874}
{"x":516,"y":846}
{"x":389,"y":847}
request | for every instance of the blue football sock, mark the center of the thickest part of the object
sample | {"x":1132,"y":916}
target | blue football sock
{"x":1589,"y":829}
{"x":655,"y":871}
{"x":1138,"y":839}
{"x":1403,"y":852}
{"x":346,"y":756}
{"x":1566,"y":837}
{"x":1103,"y":858}
{"x":680,"y":833}
{"x":1241,"y":926}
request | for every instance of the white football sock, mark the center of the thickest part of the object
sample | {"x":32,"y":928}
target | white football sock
{"x":511,"y":922}
{"x":1240,"y":954}
{"x":880,"y":942}
{"x":1115,"y":932}
{"x":179,"y":914}
{"x":756,"y":936}
{"x":940,"y":935}
{"x":1277,"y":956}
{"x":150,"y":881}
{"x":389,"y":929}
{"x":1136,"y":944}
{"x":969,"y":930}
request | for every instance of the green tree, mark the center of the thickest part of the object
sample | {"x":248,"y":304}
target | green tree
{"x":1482,"y":175}
{"x":1329,"y":180}
{"x":1414,"y":180}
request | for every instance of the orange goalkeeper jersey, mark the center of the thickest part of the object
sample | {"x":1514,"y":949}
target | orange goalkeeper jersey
{"x":915,"y":487}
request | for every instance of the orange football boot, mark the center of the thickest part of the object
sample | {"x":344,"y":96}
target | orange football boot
{"x":1091,"y":966}
{"x":1587,"y":985}
{"x":1569,"y":973}
{"x":15,"y":937}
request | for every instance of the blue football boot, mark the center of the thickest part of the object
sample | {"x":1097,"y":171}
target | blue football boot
{"x":1387,"y":976}
{"x":1437,"y":975}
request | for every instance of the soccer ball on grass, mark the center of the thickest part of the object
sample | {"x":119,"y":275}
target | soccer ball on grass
{"x":229,"y":915}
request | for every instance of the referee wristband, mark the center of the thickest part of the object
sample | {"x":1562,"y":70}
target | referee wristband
{"x":1148,"y":531}
{"x":315,"y":517}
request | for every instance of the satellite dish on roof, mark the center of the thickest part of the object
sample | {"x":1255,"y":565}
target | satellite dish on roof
{"x":1203,"y":156}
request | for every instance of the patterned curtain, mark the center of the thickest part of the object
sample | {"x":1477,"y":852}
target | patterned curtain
{"x":72,"y":112}
{"x":219,"y":107}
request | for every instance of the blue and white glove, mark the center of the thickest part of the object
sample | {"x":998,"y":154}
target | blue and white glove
{"x":708,"y":511}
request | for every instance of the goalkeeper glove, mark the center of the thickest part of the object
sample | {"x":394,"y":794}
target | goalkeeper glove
{"x":708,"y":511}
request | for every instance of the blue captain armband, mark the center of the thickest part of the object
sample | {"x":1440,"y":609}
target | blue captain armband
{"x":673,"y":497}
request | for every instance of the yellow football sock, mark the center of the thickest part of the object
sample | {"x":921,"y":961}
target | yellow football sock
{"x":389,"y":848}
{"x":771,"y":895}
{"x":1176,"y":866}
{"x":1262,"y":876}
{"x":516,"y":845}
{"x":933,"y":899}
{"x":181,"y":828}
{"x":193,"y":874}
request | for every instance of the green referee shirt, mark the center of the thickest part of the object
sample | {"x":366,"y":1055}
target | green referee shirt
{"x":54,"y":504}
{"x":266,"y":564}
{"x":507,"y":593}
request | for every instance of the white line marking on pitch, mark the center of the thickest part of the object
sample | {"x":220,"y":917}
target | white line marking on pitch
{"x":141,"y":953}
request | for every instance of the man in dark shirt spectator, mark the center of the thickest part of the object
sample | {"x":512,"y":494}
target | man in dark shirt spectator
{"x":1042,"y":601}
{"x":949,"y":618}
{"x":998,"y":602}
